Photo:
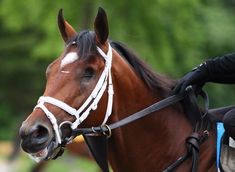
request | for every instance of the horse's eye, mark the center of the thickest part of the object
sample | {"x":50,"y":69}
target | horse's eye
{"x":88,"y":73}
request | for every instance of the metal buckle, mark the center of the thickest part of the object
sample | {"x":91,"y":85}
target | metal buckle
{"x":68,"y":140}
{"x":107,"y":133}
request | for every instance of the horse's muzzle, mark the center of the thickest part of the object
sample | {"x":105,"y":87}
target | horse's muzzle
{"x":34,"y":138}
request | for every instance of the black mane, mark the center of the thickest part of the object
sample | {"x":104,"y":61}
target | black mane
{"x":155,"y":82}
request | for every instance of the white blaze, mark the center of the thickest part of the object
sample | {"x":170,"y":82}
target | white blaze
{"x":69,"y":58}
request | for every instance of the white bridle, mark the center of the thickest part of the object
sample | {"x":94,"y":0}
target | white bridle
{"x":90,"y":103}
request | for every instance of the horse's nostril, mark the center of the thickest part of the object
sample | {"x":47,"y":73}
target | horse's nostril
{"x":39,"y":132}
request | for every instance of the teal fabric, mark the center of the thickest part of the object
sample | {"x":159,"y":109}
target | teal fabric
{"x":220,"y":133}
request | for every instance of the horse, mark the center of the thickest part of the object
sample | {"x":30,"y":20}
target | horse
{"x":98,"y":82}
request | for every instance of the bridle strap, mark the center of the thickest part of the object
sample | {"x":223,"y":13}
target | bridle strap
{"x":53,"y":120}
{"x":140,"y":114}
{"x":58,"y":103}
{"x":110,"y":83}
{"x":153,"y":108}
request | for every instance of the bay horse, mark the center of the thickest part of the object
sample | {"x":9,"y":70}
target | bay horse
{"x":96,"y":82}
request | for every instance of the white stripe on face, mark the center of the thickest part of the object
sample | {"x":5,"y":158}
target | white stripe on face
{"x":68,"y":59}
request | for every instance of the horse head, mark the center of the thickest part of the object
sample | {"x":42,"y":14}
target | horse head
{"x":76,"y":82}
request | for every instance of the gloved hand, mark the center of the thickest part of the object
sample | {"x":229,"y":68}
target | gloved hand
{"x":197,"y":78}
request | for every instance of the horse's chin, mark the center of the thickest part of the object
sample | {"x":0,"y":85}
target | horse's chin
{"x":47,"y":153}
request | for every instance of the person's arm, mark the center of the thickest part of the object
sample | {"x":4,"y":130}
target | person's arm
{"x":219,"y":70}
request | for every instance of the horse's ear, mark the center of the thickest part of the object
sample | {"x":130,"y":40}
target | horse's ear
{"x":66,"y":30}
{"x":101,"y":26}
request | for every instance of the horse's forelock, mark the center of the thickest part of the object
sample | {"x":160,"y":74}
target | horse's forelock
{"x":85,"y":42}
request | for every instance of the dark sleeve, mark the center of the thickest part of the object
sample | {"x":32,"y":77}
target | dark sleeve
{"x":222,"y":69}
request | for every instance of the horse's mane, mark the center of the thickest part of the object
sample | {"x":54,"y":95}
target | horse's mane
{"x":157,"y":83}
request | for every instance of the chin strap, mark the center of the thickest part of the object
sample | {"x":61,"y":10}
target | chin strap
{"x":91,"y":102}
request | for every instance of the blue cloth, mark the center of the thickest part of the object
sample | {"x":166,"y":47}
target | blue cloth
{"x":220,"y":133}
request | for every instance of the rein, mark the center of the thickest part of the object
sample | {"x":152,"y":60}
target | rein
{"x":193,"y":141}
{"x":106,"y":129}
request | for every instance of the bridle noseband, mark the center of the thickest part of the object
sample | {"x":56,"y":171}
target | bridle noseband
{"x":90,"y":103}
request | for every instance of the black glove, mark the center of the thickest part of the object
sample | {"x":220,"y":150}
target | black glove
{"x":197,"y":78}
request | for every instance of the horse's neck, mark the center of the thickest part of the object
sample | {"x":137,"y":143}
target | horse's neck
{"x":142,"y":137}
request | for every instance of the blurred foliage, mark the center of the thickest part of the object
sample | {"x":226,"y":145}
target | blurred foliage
{"x":172,"y":36}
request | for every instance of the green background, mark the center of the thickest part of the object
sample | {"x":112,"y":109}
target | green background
{"x":172,"y":36}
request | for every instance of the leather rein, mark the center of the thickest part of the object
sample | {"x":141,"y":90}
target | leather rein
{"x":193,"y":142}
{"x":106,"y":129}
